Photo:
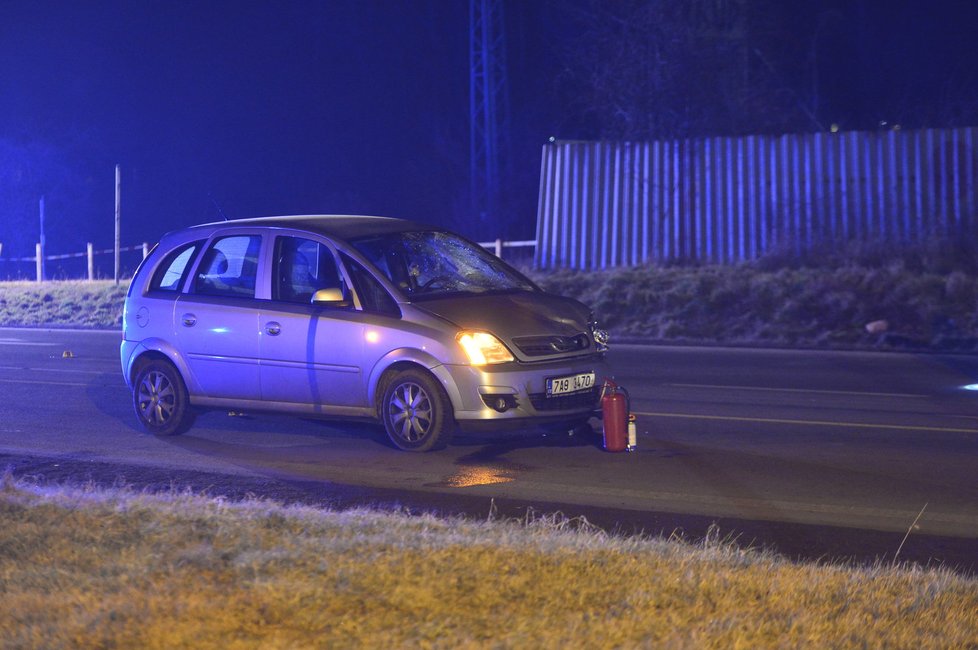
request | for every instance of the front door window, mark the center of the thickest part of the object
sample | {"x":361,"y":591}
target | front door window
{"x":303,"y":267}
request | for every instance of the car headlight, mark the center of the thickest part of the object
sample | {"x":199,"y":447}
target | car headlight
{"x":600,"y":336}
{"x":483,"y":348}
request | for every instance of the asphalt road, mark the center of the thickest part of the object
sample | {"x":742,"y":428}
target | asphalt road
{"x":816,"y":454}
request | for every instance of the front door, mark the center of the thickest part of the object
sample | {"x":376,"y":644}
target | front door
{"x":311,"y":354}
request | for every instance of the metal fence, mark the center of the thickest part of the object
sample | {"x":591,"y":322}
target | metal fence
{"x":725,"y":200}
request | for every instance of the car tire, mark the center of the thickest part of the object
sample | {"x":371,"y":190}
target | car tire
{"x":416,"y":412}
{"x":160,"y":399}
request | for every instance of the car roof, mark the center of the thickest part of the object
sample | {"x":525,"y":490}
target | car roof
{"x":335,"y":226}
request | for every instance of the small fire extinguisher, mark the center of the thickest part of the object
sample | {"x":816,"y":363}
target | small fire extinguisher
{"x":614,"y":415}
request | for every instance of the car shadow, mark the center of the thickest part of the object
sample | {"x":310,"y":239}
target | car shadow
{"x":103,"y":392}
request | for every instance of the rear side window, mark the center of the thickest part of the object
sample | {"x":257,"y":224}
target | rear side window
{"x":229,"y":267}
{"x":172,"y":272}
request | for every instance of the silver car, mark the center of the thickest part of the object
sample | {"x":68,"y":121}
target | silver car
{"x":350,"y":316}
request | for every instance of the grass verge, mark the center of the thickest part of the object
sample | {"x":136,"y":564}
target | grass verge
{"x":86,"y":567}
{"x":803,"y":307}
{"x":71,"y":303}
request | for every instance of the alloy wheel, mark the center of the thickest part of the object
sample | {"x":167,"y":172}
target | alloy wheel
{"x":157,"y":399}
{"x":409,"y":410}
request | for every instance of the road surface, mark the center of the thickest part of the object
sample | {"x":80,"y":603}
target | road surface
{"x":816,"y":454}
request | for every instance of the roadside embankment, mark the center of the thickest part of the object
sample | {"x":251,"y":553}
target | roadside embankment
{"x":66,"y":303}
{"x":86,"y":567}
{"x":848,"y":307}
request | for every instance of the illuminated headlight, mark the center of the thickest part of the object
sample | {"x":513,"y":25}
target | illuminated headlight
{"x":601,"y":337}
{"x":483,"y":348}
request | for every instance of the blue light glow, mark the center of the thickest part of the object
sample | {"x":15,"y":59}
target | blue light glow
{"x":973,"y":387}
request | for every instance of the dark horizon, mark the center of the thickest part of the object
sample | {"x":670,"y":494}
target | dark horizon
{"x":355,"y":107}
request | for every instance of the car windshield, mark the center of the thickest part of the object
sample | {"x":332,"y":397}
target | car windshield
{"x":431,"y":264}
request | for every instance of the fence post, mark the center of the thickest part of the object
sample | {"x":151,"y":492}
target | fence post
{"x":118,"y":218}
{"x":39,"y":260}
{"x":42,"y":245}
{"x":91,"y":262}
{"x":499,"y":248}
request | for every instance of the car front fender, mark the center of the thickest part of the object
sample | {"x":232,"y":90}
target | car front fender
{"x":413,"y":356}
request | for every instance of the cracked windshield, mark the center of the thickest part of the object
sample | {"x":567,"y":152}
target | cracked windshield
{"x":437,"y":264}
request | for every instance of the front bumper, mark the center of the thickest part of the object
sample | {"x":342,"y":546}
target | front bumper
{"x":523,"y":386}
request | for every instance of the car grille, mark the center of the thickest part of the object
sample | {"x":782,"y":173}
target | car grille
{"x":584,"y":399}
{"x":539,"y":346}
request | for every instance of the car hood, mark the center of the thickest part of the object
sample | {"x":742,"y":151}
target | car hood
{"x":513,"y":315}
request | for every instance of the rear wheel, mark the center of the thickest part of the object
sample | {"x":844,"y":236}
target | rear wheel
{"x":160,"y":399}
{"x":416,"y":412}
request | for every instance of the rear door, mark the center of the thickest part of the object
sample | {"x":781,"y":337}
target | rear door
{"x":216,"y":323}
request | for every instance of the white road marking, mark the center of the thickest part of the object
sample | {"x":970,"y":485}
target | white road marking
{"x":819,"y":423}
{"x":74,"y":370}
{"x":796,"y":390}
{"x":58,"y":383}
{"x":62,"y":330}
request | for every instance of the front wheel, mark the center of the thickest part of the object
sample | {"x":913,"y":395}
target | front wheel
{"x":160,"y":399}
{"x":416,"y":412}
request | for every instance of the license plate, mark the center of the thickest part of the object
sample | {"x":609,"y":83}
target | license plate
{"x":570,"y":384}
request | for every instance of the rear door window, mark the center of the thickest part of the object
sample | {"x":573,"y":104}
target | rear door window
{"x":229,"y":267}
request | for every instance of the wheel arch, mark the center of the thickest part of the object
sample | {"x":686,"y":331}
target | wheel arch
{"x":404,"y":359}
{"x":157,"y":350}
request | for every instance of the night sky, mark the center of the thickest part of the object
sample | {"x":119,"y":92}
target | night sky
{"x":340,"y":106}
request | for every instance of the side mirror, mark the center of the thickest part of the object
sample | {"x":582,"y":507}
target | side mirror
{"x":327,"y":296}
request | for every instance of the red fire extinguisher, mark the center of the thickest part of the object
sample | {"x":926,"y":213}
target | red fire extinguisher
{"x":614,"y":414}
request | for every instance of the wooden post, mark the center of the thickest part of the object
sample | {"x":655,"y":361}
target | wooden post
{"x":118,"y":218}
{"x":91,"y":262}
{"x":39,"y":260}
{"x":40,"y":255}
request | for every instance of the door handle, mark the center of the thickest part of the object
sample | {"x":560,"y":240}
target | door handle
{"x":189,"y":320}
{"x":273,"y":328}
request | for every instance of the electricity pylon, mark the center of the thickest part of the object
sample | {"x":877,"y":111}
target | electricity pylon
{"x":488,"y":109}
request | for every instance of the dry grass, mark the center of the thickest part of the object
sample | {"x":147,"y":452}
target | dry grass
{"x":75,"y":303}
{"x":812,"y":307}
{"x":90,"y":568}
